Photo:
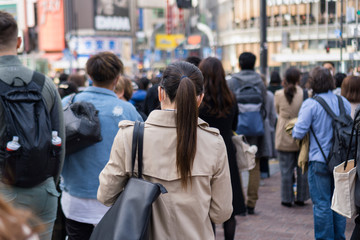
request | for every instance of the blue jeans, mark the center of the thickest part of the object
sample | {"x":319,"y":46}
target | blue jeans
{"x":327,"y":223}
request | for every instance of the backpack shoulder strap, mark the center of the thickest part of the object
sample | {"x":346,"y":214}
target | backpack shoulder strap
{"x":341,"y":105}
{"x":39,"y":79}
{"x":325,"y":106}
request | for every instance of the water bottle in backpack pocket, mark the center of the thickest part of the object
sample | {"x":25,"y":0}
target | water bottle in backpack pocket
{"x":11,"y":155}
{"x":55,"y":151}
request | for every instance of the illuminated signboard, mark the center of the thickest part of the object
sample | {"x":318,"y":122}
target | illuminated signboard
{"x":112,"y":15}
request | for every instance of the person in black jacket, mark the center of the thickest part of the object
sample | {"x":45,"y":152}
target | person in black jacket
{"x":220,"y":110}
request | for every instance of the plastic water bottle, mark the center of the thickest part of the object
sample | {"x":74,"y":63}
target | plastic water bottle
{"x":56,"y":140}
{"x":13,"y":145}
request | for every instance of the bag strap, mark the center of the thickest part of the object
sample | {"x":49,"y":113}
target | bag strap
{"x":39,"y":79}
{"x":325,"y":106}
{"x":356,"y":142}
{"x":71,"y":100}
{"x":317,"y":141}
{"x":137,"y":146}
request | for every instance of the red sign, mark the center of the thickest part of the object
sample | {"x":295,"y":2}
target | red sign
{"x":51,"y":25}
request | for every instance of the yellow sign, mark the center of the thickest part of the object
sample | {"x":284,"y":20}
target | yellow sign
{"x":168,"y":41}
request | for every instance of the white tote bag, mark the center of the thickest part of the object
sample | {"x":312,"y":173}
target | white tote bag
{"x":343,"y":199}
{"x":245,"y":154}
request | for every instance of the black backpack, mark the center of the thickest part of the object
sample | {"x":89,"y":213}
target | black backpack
{"x":342,"y":147}
{"x":26,"y":116}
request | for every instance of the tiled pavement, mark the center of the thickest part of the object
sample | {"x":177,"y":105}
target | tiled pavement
{"x":272,"y":221}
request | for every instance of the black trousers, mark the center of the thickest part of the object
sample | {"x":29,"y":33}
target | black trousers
{"x":356,"y":233}
{"x":77,"y":230}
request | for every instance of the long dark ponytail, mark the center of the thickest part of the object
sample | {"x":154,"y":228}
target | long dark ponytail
{"x":292,"y":77}
{"x":183,"y":82}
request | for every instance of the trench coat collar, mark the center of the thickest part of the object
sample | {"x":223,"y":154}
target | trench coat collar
{"x":166,"y":118}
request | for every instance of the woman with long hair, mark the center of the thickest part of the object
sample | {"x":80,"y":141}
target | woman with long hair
{"x":220,"y":110}
{"x":287,"y":104}
{"x":181,"y":152}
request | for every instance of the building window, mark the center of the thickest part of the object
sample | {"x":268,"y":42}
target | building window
{"x":159,"y":13}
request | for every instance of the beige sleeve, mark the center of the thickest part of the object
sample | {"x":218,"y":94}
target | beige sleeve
{"x":113,"y":177}
{"x":221,"y":190}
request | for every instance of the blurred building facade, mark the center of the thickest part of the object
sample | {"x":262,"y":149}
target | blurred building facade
{"x":299,"y":32}
{"x":150,"y":34}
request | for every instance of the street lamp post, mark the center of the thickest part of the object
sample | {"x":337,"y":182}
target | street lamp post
{"x":263,"y":41}
{"x":341,"y":36}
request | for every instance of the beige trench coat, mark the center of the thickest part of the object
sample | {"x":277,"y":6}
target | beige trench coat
{"x":178,"y":214}
{"x":286,"y":112}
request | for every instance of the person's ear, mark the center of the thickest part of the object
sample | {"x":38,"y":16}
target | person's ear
{"x":161,"y":94}
{"x":199,"y":99}
{"x":19,"y":41}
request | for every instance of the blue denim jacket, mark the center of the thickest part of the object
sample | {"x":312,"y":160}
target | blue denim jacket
{"x":313,"y":115}
{"x":80,"y":174}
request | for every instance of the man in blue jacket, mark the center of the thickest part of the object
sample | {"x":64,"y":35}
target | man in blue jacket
{"x":80,"y":175}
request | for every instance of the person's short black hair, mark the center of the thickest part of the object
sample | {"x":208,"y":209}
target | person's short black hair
{"x":194,"y":60}
{"x":8,"y":31}
{"x":304,"y":80}
{"x":321,"y":80}
{"x":143,"y":83}
{"x":67,"y":88}
{"x":331,"y":63}
{"x":275,"y":78}
{"x":339,"y":78}
{"x":63,"y":77}
{"x":247,"y":61}
{"x":104,"y":67}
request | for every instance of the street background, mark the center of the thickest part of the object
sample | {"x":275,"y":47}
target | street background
{"x":272,"y":221}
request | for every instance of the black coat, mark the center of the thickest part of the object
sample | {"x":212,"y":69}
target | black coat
{"x":226,"y":126}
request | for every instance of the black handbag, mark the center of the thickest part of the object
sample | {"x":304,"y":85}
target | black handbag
{"x":129,"y":217}
{"x":82,"y":125}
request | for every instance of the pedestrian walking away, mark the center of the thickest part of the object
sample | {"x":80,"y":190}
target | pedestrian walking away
{"x":248,"y":77}
{"x":181,"y":152}
{"x":327,"y":223}
{"x":30,"y":184}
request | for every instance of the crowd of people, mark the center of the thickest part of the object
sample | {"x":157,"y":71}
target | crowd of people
{"x":191,"y":113}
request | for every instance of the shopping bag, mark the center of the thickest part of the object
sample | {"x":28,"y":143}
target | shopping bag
{"x":343,"y":199}
{"x":245,"y":154}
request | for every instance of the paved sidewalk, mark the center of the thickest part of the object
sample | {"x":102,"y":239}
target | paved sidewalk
{"x":272,"y":221}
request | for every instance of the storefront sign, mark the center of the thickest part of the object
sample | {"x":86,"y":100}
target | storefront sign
{"x":168,"y":41}
{"x":87,"y":46}
{"x":112,"y":15}
{"x":50,"y":16}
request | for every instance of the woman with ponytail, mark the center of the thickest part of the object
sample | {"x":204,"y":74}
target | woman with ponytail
{"x":287,"y":104}
{"x":182,"y":153}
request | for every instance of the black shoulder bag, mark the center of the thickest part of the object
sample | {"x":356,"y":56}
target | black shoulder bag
{"x":129,"y":217}
{"x":82,"y":125}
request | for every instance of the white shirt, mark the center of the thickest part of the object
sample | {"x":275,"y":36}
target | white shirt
{"x":81,"y":209}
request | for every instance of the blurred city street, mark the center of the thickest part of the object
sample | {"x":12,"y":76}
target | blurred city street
{"x":272,"y":221}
